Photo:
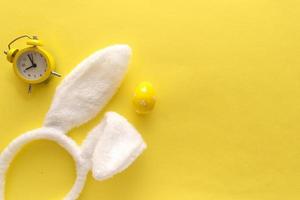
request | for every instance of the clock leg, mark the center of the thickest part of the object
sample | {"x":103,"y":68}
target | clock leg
{"x":29,"y":88}
{"x":55,"y":74}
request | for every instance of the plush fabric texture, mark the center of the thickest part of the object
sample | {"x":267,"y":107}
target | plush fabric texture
{"x":87,"y":89}
{"x":111,"y":146}
{"x":117,"y":147}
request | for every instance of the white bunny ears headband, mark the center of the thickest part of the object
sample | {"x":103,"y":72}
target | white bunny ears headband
{"x":111,"y":146}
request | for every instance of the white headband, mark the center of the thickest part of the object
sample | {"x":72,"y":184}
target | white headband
{"x":112,"y":145}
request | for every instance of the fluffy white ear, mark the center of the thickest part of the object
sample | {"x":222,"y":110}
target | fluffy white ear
{"x":86,"y":90}
{"x":112,"y":146}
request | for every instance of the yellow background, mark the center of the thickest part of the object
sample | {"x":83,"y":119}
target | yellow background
{"x":227,"y":75}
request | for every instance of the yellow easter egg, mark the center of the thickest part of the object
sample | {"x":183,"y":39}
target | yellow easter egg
{"x":144,"y":98}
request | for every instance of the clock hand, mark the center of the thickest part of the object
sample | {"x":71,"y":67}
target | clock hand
{"x":30,"y":67}
{"x":31,"y":60}
{"x":30,"y":56}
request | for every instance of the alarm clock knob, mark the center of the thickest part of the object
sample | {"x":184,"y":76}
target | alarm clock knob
{"x":34,"y":42}
{"x":10,"y":54}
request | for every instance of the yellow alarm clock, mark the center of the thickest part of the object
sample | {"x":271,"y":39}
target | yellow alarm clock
{"x":32,"y":64}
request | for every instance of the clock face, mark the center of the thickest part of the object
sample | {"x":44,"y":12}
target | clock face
{"x":32,"y":65}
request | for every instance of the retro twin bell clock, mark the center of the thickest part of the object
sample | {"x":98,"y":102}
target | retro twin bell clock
{"x":31,"y":64}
